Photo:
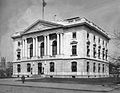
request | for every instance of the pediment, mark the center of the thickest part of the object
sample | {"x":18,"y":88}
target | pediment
{"x":40,"y":25}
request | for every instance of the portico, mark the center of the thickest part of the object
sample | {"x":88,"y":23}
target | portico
{"x":40,"y":46}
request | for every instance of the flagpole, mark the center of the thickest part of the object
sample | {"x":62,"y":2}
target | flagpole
{"x":42,"y":11}
{"x":43,"y":6}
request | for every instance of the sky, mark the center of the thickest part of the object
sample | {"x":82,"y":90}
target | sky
{"x":16,"y":15}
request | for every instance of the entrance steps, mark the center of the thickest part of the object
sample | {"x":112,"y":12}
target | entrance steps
{"x":36,"y":76}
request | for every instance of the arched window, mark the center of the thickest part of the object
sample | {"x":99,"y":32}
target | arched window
{"x":18,"y":68}
{"x":74,"y":67}
{"x":54,"y":48}
{"x":42,"y":49}
{"x":52,"y":67}
{"x":31,"y":50}
{"x":28,"y":67}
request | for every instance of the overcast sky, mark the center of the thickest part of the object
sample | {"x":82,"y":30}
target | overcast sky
{"x":16,"y":15}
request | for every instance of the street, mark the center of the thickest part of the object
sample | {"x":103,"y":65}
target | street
{"x":14,"y":89}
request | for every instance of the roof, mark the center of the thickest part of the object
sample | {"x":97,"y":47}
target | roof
{"x":44,"y":25}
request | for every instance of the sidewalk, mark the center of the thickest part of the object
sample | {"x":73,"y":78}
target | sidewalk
{"x":63,"y":86}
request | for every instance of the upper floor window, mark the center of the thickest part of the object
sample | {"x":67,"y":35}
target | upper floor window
{"x":88,"y":67}
{"x":94,"y":50}
{"x":18,"y":55}
{"x":54,"y":48}
{"x":42,"y":49}
{"x":52,"y":67}
{"x":106,"y":54}
{"x":103,"y":53}
{"x":74,"y":34}
{"x":74,"y":50}
{"x":31,"y":50}
{"x":99,"y":48}
{"x":94,"y":38}
{"x":74,"y":67}
{"x":99,"y":40}
{"x":88,"y":50}
{"x":18,"y":68}
{"x":28,"y":67}
{"x":94,"y":67}
{"x":18,"y":43}
{"x":87,"y":35}
{"x":103,"y":42}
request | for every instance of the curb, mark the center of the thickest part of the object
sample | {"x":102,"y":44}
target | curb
{"x":59,"y":88}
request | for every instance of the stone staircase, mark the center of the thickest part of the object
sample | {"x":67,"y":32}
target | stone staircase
{"x":36,"y":76}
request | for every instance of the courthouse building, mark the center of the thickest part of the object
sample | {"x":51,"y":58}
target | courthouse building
{"x":72,"y":48}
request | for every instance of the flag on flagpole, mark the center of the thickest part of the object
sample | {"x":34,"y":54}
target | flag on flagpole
{"x":44,"y":3}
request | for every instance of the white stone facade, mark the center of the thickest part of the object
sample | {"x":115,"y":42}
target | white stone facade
{"x":74,"y":48}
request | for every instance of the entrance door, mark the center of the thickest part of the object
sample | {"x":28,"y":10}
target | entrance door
{"x":39,"y":68}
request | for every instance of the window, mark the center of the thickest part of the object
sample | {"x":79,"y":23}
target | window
{"x":99,"y":40}
{"x":51,"y":66}
{"x":99,"y":48}
{"x":74,"y":67}
{"x":18,"y":43}
{"x":94,"y":50}
{"x":42,"y":49}
{"x":103,"y":42}
{"x":31,"y":50}
{"x":87,"y":35}
{"x":106,"y":54}
{"x":94,"y":38}
{"x":74,"y":34}
{"x":28,"y":67}
{"x":103,"y":68}
{"x":88,"y":66}
{"x":54,"y":48}
{"x":88,"y":50}
{"x":99,"y":68}
{"x":94,"y":67}
{"x":103,"y":53}
{"x":18,"y":55}
{"x":18,"y":68}
{"x":74,"y":50}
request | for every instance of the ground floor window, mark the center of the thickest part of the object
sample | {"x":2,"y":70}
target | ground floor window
{"x":74,"y":67}
{"x":18,"y":68}
{"x":52,"y":66}
{"x":28,"y":67}
{"x":94,"y":67}
{"x":99,"y":68}
{"x":88,"y":66}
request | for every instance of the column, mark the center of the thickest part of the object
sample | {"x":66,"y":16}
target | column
{"x":45,"y":46}
{"x":61,"y":43}
{"x":58,"y":44}
{"x":48,"y":47}
{"x":39,"y":49}
{"x":26,"y":48}
{"x":34,"y":47}
{"x":23,"y":48}
{"x":28,"y":55}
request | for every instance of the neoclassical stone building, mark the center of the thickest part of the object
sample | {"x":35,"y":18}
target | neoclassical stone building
{"x":72,"y":48}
